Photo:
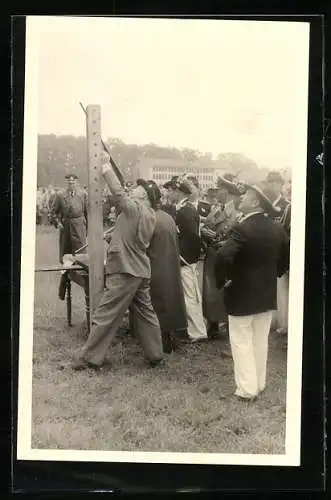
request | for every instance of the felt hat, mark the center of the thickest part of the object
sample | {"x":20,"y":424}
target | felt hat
{"x":152,"y":192}
{"x":193,"y":179}
{"x":180,"y":183}
{"x":275,"y":177}
{"x":230,"y":182}
{"x":264,"y":195}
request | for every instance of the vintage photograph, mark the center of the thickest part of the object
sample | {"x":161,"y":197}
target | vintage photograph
{"x":163,"y":238}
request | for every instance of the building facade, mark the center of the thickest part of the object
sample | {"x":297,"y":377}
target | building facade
{"x":162,"y":170}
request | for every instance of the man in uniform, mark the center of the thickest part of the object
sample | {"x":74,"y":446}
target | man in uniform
{"x":69,"y":215}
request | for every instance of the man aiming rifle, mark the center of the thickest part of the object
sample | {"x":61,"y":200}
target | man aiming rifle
{"x":128,"y":274}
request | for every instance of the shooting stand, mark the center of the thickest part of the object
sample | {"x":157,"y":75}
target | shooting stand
{"x":89,"y":275}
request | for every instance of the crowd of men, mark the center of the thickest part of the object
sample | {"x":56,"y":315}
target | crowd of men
{"x":163,"y":237}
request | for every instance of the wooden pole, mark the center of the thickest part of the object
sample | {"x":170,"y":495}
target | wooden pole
{"x":95,"y":221}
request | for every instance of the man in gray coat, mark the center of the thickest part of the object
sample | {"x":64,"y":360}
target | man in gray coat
{"x":128,"y":273}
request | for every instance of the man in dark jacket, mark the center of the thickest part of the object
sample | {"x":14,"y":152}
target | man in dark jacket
{"x":254,"y":255}
{"x":187,"y":221}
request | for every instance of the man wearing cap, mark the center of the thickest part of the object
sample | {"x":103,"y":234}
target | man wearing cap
{"x":254,"y":254}
{"x":187,"y":221}
{"x":69,"y":215}
{"x":220,"y":221}
{"x":128,"y":273}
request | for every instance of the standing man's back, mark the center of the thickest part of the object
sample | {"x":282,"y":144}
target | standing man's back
{"x":166,"y":286}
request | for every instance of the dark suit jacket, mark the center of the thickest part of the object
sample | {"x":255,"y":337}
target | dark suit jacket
{"x":254,"y":255}
{"x":187,"y":221}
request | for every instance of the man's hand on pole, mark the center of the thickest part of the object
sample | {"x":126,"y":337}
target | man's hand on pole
{"x":105,"y":162}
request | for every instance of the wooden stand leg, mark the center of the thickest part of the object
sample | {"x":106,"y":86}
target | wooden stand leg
{"x":88,"y":318}
{"x":69,"y":317}
{"x":87,"y":306}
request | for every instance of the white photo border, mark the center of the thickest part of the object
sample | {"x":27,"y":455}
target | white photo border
{"x":296,"y":295}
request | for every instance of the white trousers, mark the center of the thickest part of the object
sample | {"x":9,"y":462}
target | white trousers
{"x":249,"y":347}
{"x":196,"y":326}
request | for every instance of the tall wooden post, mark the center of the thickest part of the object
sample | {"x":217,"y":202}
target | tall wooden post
{"x":95,"y":220}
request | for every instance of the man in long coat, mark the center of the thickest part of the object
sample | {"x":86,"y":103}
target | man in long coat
{"x":166,"y":286}
{"x":254,"y":254}
{"x":69,"y":215}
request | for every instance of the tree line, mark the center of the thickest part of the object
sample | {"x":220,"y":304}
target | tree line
{"x":61,"y":154}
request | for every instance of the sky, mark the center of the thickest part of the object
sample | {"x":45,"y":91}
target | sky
{"x":217,"y":86}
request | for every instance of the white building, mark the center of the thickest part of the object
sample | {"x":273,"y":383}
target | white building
{"x":162,"y":170}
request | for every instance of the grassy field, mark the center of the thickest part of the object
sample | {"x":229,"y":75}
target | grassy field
{"x":186,"y":406}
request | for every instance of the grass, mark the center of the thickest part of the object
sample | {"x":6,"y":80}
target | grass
{"x":185,"y":406}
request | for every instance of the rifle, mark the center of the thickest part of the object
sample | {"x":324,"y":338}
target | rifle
{"x":112,"y":161}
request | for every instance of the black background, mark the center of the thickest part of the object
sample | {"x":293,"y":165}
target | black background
{"x":68,"y":476}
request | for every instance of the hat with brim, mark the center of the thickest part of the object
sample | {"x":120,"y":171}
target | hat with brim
{"x":275,"y":177}
{"x":71,"y":176}
{"x":150,"y":188}
{"x":193,"y":180}
{"x":227,"y":181}
{"x":182,"y":185}
{"x":264,"y":198}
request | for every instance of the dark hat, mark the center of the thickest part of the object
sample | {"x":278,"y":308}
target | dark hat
{"x":264,"y":195}
{"x":180,"y":183}
{"x":71,"y":176}
{"x":157,"y":192}
{"x":229,"y":181}
{"x":275,"y":177}
{"x":152,"y":191}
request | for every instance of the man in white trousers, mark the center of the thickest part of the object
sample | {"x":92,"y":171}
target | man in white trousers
{"x":254,"y":255}
{"x":187,"y":221}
